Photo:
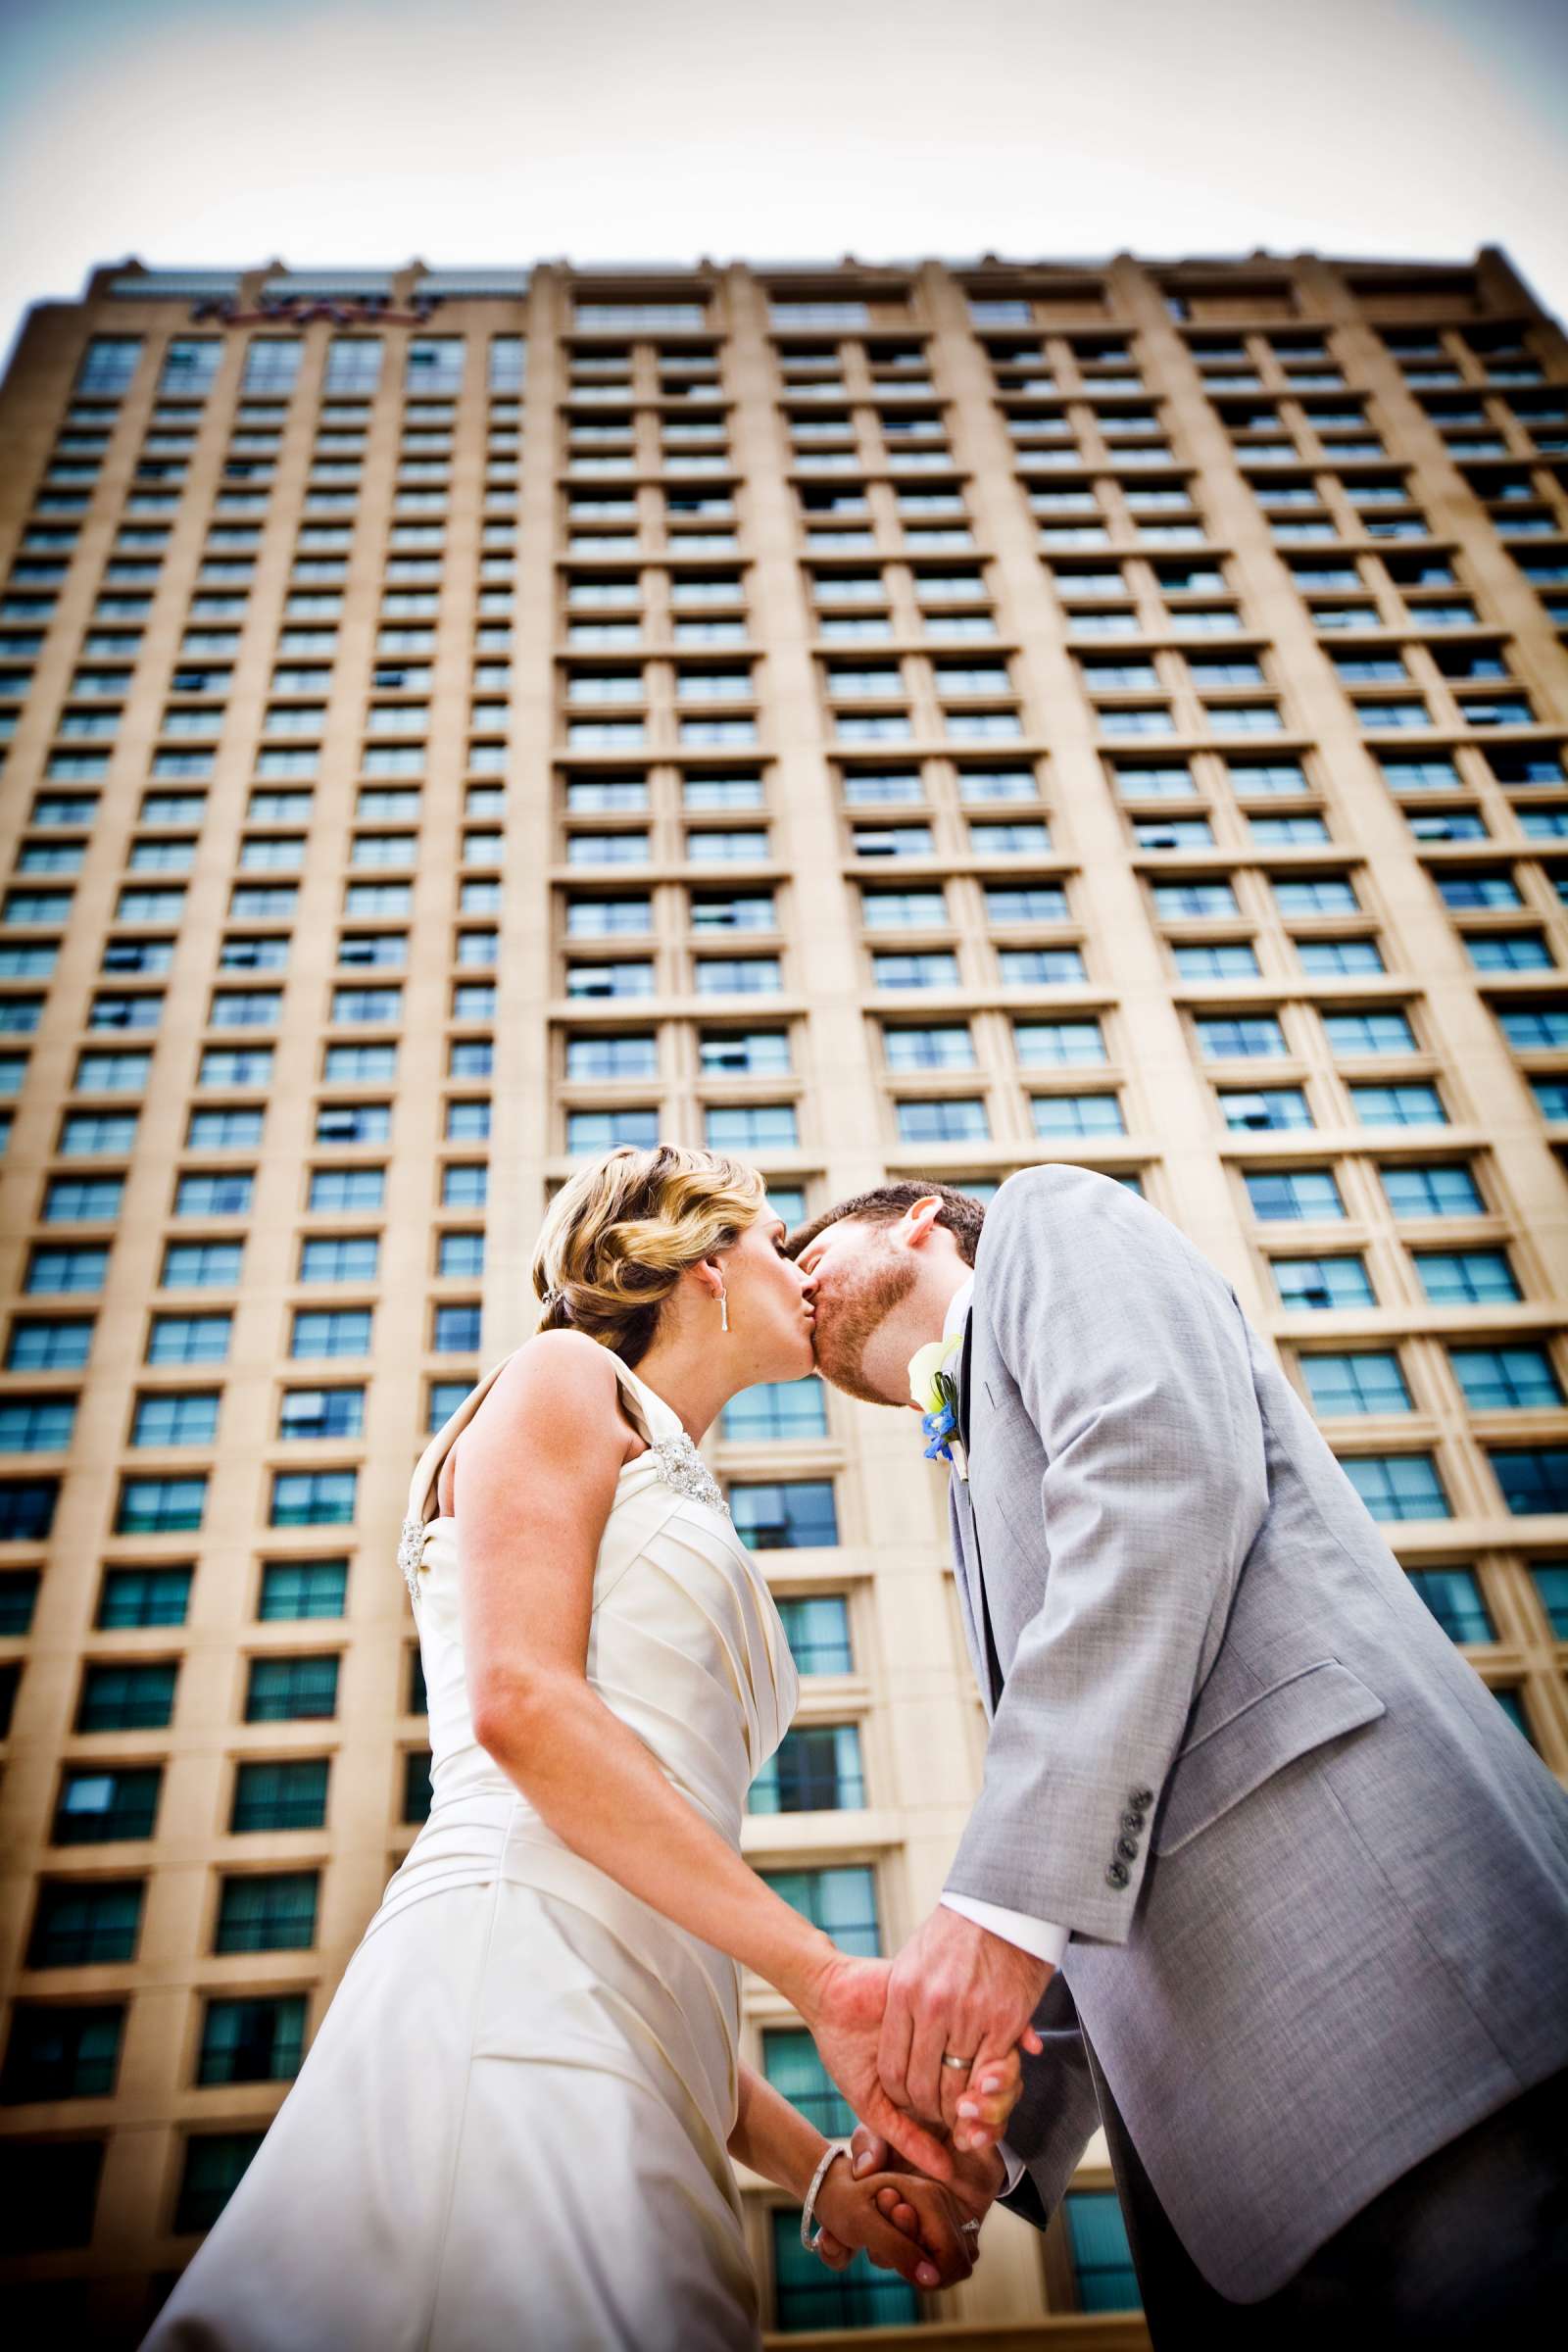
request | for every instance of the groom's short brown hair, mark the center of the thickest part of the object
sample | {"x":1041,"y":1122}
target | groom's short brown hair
{"x":960,"y":1213}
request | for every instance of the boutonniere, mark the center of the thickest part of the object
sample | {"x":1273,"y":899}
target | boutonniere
{"x":933,"y":1388}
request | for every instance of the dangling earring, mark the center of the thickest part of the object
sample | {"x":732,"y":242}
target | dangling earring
{"x":723,"y":1312}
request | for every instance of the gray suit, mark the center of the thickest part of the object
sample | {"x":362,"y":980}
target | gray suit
{"x":1317,"y":1884}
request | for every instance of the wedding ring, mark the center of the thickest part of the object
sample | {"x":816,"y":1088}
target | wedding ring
{"x":959,"y":2066}
{"x":970,"y":2228}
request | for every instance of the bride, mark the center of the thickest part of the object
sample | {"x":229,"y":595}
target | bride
{"x":519,"y":2121}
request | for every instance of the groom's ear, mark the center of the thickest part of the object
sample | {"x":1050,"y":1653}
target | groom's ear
{"x":920,"y":1218}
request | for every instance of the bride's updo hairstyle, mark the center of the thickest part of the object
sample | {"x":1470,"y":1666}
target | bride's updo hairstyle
{"x":620,"y":1235}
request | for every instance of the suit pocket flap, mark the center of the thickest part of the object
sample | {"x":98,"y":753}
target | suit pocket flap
{"x":1215,"y":1771}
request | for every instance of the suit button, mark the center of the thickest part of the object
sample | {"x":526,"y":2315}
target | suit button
{"x":1116,"y":1875}
{"x":1132,"y":1821}
{"x":1140,"y":1800}
{"x":1127,"y":1847}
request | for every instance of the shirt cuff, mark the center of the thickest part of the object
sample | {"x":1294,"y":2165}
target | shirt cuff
{"x":1016,"y":2167}
{"x":1040,"y":1937}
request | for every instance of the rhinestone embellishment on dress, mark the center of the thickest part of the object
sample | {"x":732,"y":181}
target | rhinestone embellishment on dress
{"x":682,"y":1467}
{"x":411,"y":1553}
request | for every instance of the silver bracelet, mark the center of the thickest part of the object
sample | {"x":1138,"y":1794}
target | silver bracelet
{"x":810,"y":2239}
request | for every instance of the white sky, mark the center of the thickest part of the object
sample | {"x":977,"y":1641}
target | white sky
{"x":337,"y":131}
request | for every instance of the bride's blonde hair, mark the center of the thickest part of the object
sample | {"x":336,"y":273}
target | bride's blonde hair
{"x":620,"y":1235}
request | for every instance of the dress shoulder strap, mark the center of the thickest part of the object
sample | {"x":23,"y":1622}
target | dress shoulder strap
{"x":635,"y":1398}
{"x":421,"y":1488}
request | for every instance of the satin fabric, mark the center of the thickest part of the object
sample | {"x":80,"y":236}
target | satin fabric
{"x":511,"y":2127}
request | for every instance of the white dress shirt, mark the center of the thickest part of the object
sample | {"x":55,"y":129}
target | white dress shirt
{"x":1040,"y":1937}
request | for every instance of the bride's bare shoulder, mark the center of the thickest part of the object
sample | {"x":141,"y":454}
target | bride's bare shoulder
{"x":565,"y":1365}
{"x":560,"y":1393}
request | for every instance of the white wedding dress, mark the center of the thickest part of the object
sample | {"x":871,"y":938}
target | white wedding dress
{"x":511,"y":2130}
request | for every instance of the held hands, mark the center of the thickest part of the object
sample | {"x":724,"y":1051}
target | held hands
{"x":978,"y":2179}
{"x":882,"y":2031}
{"x":904,"y":2222}
{"x":956,"y":1991}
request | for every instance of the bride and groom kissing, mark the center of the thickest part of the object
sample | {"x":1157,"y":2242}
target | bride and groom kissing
{"x":1261,"y":1879}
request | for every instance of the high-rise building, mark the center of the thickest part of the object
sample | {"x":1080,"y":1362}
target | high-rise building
{"x":917,"y":719}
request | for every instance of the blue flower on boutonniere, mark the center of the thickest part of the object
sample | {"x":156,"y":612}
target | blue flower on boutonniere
{"x":940,"y":1426}
{"x":933,"y":1388}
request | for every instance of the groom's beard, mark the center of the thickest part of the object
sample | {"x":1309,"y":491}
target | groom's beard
{"x":848,"y":1318}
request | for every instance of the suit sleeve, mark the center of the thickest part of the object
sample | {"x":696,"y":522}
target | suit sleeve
{"x":1058,"y":2114}
{"x":1131,"y":1358}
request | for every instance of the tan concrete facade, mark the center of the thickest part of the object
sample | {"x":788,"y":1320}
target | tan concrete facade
{"x":884,"y":720}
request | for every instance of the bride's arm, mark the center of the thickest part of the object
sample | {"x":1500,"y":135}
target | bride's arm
{"x":918,"y":2233}
{"x":534,"y":1480}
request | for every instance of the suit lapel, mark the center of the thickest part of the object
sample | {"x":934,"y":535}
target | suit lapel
{"x":968,"y":1517}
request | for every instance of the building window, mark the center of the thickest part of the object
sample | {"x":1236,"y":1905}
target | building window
{"x":815,"y":1769}
{"x":161,"y":1506}
{"x":1506,"y":1378}
{"x":313,"y":1497}
{"x":289,"y":1795}
{"x":216,"y":2163}
{"x":817,"y":1627}
{"x":1534,"y":1479}
{"x":84,"y":1926}
{"x":1057,"y":1045}
{"x":19,"y":1596}
{"x":330,"y":1332}
{"x":294,"y":1588}
{"x":1271,"y":1109}
{"x":1362,"y":1381}
{"x":791,"y":2063}
{"x":201,"y":1265}
{"x":780,"y":1410}
{"x":271,"y":1913}
{"x":750,"y":1127}
{"x":785,"y":1516}
{"x":1551,"y":1580}
{"x":1397,"y":1485}
{"x":840,"y":1899}
{"x":37,"y":1424}
{"x":950,"y":1119}
{"x":1304,"y":1194}
{"x":938,"y":968}
{"x":1076,"y":1114}
{"x":1233,"y":1038}
{"x":58,"y":1345}
{"x":175,"y":1417}
{"x":1453,"y":1595}
{"x":143,"y":1597}
{"x":252,"y":2040}
{"x":107,"y":1807}
{"x":66,"y":1269}
{"x":27,"y":1508}
{"x":123,"y":1698}
{"x":1101,"y":2259}
{"x":60,"y":2053}
{"x":291,"y":1690}
{"x":1418,"y":1105}
{"x":1319,"y":1284}
{"x":321,"y":1413}
{"x":417,"y":1791}
{"x":1465,"y":1277}
{"x":1429,"y":1190}
{"x":456,"y":1329}
{"x":1368,"y":1033}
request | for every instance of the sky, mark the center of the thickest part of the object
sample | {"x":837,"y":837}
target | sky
{"x":374,"y":131}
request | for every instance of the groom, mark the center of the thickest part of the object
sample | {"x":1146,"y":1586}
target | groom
{"x":1284,"y":1893}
